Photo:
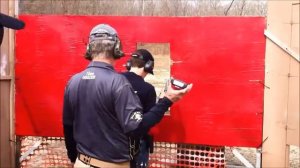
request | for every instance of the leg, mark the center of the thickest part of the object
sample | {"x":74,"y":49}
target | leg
{"x":143,"y":156}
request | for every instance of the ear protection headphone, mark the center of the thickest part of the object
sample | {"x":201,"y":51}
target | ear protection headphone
{"x":88,"y":54}
{"x":117,"y":53}
{"x":148,"y":67}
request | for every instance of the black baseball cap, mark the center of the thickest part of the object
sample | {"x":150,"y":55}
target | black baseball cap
{"x":145,"y":55}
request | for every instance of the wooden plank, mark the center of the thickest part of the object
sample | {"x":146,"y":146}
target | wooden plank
{"x":293,"y":105}
{"x":279,"y":22}
{"x":282,"y":45}
{"x":295,"y":28}
{"x":5,"y":150}
{"x":7,"y":146}
{"x":11,"y":50}
{"x":293,"y":117}
{"x":4,"y":94}
{"x":275,"y":106}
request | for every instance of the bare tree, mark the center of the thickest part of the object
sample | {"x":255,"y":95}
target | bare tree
{"x":243,"y":4}
{"x":145,"y":7}
{"x":226,"y":12}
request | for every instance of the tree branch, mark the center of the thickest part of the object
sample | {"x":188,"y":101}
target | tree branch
{"x":226,"y":12}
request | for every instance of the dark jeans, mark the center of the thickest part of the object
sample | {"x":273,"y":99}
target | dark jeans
{"x":141,"y":159}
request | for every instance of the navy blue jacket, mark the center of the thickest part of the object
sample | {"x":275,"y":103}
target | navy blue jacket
{"x":144,"y":90}
{"x":101,"y":110}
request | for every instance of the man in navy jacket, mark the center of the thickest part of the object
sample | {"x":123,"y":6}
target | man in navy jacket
{"x":139,"y":66}
{"x":101,"y":110}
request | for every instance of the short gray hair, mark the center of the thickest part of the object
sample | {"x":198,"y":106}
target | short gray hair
{"x":102,"y":46}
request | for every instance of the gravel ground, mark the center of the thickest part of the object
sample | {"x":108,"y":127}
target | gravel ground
{"x":52,"y":153}
{"x":294,"y":157}
{"x":250,"y":155}
{"x":232,"y":161}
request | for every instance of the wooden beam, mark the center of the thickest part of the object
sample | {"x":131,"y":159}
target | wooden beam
{"x":283,"y":46}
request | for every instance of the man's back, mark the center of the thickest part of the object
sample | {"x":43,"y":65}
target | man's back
{"x":96,"y":95}
{"x":144,"y":90}
{"x":147,"y":95}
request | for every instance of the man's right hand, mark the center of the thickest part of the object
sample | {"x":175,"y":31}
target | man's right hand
{"x":175,"y":95}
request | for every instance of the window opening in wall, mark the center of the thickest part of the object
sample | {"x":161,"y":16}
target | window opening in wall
{"x":162,"y":65}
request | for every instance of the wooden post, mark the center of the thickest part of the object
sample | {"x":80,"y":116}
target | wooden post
{"x":7,"y":134}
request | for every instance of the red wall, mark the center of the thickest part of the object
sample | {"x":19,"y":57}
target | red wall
{"x":222,"y":56}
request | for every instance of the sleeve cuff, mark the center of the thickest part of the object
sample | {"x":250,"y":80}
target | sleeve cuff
{"x":165,"y":101}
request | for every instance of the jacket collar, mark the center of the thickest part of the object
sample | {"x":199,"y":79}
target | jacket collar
{"x":99,"y":64}
{"x":134,"y":75}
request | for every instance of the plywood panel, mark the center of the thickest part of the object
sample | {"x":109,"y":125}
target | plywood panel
{"x":295,"y":12}
{"x":295,"y":28}
{"x":279,"y":23}
{"x":295,"y":39}
{"x":226,"y":68}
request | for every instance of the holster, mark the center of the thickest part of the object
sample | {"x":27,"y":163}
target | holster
{"x":149,"y":142}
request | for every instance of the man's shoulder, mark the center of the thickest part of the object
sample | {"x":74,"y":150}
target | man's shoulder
{"x":120,"y":76}
{"x":124,"y":73}
{"x":119,"y":80}
{"x":75,"y":77}
{"x":127,"y":74}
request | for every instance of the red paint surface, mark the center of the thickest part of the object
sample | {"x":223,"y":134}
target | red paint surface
{"x":222,"y":56}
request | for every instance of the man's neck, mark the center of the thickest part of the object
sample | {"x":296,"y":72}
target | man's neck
{"x":138,"y":71}
{"x":108,"y":60}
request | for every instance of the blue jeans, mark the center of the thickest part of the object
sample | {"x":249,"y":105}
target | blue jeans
{"x":143,"y":156}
